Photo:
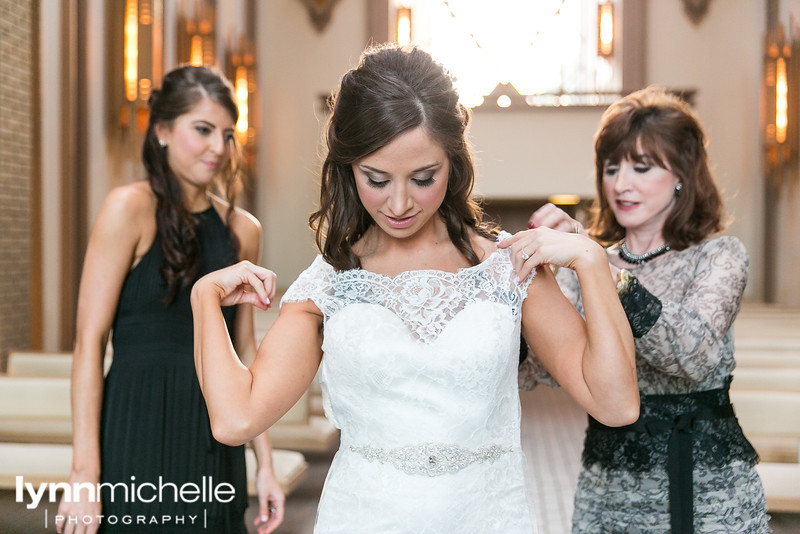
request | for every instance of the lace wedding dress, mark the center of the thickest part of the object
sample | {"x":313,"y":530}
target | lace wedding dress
{"x":420,"y":374}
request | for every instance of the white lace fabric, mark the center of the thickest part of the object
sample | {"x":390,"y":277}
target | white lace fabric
{"x":426,"y":358}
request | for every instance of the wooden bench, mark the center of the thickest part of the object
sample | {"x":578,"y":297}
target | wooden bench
{"x":767,"y":358}
{"x":766,"y":378}
{"x":298,"y":429}
{"x":43,"y":364}
{"x":290,"y":469}
{"x":35,"y":410}
{"x":769,"y":419}
{"x":41,"y":463}
{"x":781,"y":486}
{"x":36,"y":435}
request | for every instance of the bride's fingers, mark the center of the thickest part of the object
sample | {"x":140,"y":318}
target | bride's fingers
{"x":244,"y":282}
{"x":263,"y":283}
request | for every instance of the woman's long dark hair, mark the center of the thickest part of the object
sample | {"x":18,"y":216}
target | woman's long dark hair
{"x":391,"y":91}
{"x":180,"y":91}
{"x":666,"y":129}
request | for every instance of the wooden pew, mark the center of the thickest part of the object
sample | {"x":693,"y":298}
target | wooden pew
{"x":781,"y":485}
{"x":36,"y":434}
{"x":767,"y":358}
{"x":298,"y":429}
{"x":766,"y":379}
{"x":768,"y":417}
{"x":26,"y":363}
{"x":35,"y":410}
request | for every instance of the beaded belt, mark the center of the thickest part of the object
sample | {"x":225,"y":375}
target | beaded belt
{"x":431,"y":459}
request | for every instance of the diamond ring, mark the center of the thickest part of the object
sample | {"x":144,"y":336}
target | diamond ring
{"x":525,"y":255}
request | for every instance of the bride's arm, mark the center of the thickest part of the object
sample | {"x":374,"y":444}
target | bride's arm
{"x":243,"y":402}
{"x":592,"y":359}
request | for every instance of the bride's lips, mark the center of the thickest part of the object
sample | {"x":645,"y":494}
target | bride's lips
{"x":405,"y":222}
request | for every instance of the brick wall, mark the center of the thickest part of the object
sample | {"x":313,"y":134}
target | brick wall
{"x":16,"y":136}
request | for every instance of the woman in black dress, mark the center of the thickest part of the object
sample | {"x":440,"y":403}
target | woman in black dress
{"x":143,"y":431}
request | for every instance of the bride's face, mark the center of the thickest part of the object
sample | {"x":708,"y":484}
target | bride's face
{"x":403,"y":184}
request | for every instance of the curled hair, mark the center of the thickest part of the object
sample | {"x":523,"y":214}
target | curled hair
{"x":391,"y":91}
{"x":660,"y":125}
{"x":180,"y":92}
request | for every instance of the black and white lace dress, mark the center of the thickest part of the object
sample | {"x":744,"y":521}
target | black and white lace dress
{"x":681,"y":310}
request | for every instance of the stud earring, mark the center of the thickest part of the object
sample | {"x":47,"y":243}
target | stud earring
{"x":163,"y":143}
{"x":678,"y":190}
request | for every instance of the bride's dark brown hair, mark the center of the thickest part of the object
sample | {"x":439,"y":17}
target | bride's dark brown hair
{"x":391,"y":91}
{"x":180,"y":92}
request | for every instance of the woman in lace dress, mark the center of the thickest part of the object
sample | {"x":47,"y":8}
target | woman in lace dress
{"x":685,"y":465}
{"x":417,"y":306}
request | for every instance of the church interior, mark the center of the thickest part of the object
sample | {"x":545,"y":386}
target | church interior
{"x":75,"y":78}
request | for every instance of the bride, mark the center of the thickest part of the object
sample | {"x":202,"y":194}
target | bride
{"x":412,"y":315}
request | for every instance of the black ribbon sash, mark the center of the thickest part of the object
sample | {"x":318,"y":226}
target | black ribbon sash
{"x":680,"y":462}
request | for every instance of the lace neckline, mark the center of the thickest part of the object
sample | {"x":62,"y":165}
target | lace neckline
{"x":421,"y":272}
{"x":461,"y":271}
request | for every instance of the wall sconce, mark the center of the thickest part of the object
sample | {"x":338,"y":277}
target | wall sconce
{"x":780,"y":113}
{"x":141,"y":29}
{"x":197,"y":33}
{"x":319,"y":11}
{"x":403,"y":26}
{"x":131,"y":30}
{"x":605,"y":29}
{"x":240,"y":69}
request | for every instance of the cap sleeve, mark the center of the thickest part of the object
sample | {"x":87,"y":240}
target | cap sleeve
{"x":520,"y":287}
{"x":314,"y":284}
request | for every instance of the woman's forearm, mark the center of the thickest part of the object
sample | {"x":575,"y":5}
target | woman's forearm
{"x":86,"y":397}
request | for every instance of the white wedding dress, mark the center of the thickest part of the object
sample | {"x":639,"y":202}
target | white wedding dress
{"x":420,"y":374}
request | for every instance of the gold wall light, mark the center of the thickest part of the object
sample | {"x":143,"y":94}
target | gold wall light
{"x":241,"y":70}
{"x":141,"y":63}
{"x":605,"y":29}
{"x":780,"y":113}
{"x":403,"y":26}
{"x":197,"y":38}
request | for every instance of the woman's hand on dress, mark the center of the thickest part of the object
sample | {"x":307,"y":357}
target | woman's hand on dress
{"x":553,"y":217}
{"x":242,"y":283}
{"x":544,"y":246}
{"x":271,"y":501}
{"x":85,"y":514}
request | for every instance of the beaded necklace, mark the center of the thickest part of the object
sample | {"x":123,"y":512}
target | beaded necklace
{"x":638,"y":259}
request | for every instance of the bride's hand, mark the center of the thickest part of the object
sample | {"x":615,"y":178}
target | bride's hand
{"x":543,"y":246}
{"x":242,"y":283}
